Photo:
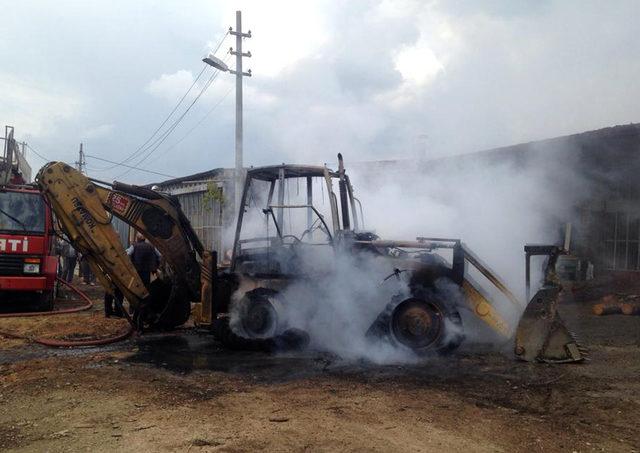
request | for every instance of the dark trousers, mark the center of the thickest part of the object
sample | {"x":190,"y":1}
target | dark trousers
{"x":61,"y":268}
{"x":69,"y":268}
{"x":145,"y":276}
{"x":110,"y":307}
{"x":85,"y":271}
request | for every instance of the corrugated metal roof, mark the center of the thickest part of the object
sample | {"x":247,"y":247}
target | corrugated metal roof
{"x":205,"y":175}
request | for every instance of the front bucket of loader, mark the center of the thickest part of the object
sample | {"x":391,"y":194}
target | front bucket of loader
{"x":542,"y":336}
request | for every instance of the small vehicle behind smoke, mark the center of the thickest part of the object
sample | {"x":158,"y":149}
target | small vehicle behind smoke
{"x":301,"y":257}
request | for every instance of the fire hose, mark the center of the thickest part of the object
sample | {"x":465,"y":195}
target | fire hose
{"x":65,"y":343}
{"x":82,"y":295}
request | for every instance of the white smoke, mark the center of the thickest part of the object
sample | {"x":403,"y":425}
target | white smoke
{"x":339,"y":301}
{"x":494,"y":207}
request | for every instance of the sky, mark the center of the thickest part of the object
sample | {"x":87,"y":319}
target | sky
{"x":373,"y":79}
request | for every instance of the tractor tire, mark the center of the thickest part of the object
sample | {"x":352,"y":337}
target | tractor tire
{"x":425,"y":323}
{"x":168,"y":308}
{"x":258,"y":315}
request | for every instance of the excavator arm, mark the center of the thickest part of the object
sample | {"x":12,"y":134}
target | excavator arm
{"x":85,"y":208}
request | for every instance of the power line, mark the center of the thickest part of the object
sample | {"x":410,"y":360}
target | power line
{"x":129,"y":166}
{"x":173,"y":145}
{"x":38,"y":154}
{"x":168,"y":116}
{"x":132,"y":155}
{"x":156,"y":144}
{"x":196,"y":125}
{"x":221,"y":41}
{"x":161,"y":138}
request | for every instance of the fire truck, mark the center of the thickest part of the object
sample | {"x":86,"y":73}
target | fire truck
{"x":28,"y":259}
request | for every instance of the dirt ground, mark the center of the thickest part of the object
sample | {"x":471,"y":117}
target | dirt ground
{"x":181,"y":391}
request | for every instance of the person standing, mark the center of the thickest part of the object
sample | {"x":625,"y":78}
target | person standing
{"x":69,"y":265}
{"x":59,"y":248}
{"x":85,"y":271}
{"x":144,"y":257}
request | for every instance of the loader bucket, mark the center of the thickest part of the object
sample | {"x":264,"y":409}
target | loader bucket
{"x":541,"y":335}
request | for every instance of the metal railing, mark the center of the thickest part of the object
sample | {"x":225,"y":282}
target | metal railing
{"x":13,"y":159}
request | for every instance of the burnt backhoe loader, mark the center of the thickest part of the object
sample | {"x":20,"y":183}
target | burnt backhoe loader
{"x":276,"y":239}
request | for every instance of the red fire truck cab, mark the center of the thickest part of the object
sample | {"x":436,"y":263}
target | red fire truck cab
{"x":28,"y":261}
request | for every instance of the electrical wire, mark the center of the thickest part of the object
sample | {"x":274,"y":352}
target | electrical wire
{"x":148,"y":149}
{"x":195,"y":126}
{"x":129,"y":166}
{"x":220,"y":43}
{"x":38,"y":154}
{"x":174,"y":125}
{"x":141,"y":147}
{"x":160,"y":140}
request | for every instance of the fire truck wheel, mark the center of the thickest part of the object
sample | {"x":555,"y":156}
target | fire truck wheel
{"x":45,"y":301}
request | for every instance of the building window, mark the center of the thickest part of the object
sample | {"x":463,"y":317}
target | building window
{"x":621,"y":241}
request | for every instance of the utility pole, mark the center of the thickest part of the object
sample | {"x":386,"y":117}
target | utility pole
{"x":81,"y":163}
{"x":239,"y":176}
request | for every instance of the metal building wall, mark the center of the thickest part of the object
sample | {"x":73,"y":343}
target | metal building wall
{"x":205,"y":216}
{"x":122,"y":229}
{"x":209,"y":217}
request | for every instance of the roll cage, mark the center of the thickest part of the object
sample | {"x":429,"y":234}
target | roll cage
{"x":344,"y":215}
